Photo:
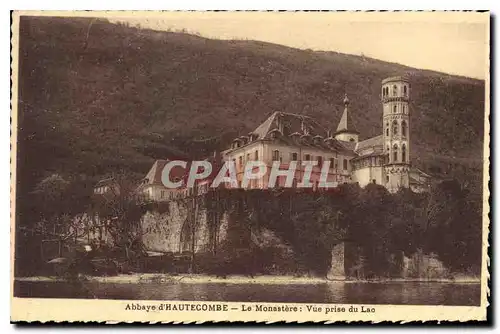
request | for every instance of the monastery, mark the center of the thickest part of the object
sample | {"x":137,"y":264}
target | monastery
{"x":284,"y":137}
{"x":384,"y":159}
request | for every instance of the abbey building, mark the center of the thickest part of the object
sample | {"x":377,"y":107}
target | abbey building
{"x":384,"y":159}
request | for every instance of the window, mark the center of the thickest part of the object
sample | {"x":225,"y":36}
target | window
{"x":394,"y":128}
{"x":332,"y":163}
{"x":387,"y":129}
{"x":240,"y":160}
{"x":163,"y":194}
{"x":276,"y":155}
{"x":405,"y":90}
{"x":394,"y":90}
{"x":345,"y":164}
{"x":307,"y":157}
{"x":248,"y":156}
{"x":374,"y":181}
{"x":387,"y":179}
{"x":395,"y":153}
{"x":256,"y":155}
{"x":404,"y":109}
{"x":293,"y":156}
{"x":351,"y":140}
{"x":320,"y":161}
{"x":403,"y":153}
{"x":403,"y":128}
{"x":395,"y":109}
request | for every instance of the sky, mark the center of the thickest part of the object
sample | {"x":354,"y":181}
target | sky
{"x":453,"y":42}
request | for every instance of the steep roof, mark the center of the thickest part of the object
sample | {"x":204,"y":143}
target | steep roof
{"x":295,"y":129}
{"x":346,"y":124}
{"x":290,"y":123}
{"x":348,"y":145}
{"x":153,"y":177}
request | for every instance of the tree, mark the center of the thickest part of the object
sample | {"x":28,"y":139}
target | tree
{"x":120,"y":211}
{"x":454,"y":226}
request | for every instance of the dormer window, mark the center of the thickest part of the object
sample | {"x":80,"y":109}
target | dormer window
{"x":243,"y":140}
{"x":274,"y":133}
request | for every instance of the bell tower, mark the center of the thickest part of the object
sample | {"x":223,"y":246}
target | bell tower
{"x":346,"y":130}
{"x":396,"y":125}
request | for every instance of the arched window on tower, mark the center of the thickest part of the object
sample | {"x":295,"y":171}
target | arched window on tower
{"x":395,"y":153}
{"x":395,"y":109}
{"x":394,"y":128}
{"x":387,"y":129}
{"x":403,"y":128}
{"x":405,"y":90}
{"x":403,"y":153}
{"x":394,"y":90}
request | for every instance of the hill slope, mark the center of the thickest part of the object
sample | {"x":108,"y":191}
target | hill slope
{"x":96,"y":96}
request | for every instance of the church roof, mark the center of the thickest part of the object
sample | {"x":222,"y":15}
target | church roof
{"x":370,"y":146}
{"x":370,"y":142}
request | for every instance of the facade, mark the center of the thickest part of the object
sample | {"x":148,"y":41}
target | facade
{"x":284,"y":138}
{"x":384,"y":159}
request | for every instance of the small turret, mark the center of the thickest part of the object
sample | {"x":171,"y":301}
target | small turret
{"x":346,"y":130}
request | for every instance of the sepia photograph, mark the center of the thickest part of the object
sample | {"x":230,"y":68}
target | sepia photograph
{"x":281,"y":166}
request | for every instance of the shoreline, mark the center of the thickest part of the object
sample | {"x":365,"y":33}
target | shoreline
{"x":265,"y":279}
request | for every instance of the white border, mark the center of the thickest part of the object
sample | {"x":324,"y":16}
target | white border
{"x":186,"y":4}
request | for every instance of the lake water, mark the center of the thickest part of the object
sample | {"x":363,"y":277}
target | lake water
{"x":409,"y":293}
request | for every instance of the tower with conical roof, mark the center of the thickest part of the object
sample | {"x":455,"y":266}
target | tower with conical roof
{"x":346,"y":130}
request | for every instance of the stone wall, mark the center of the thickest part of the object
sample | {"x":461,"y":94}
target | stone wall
{"x":421,"y":265}
{"x":172,"y":231}
{"x":337,"y":271}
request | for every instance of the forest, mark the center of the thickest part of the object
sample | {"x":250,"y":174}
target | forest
{"x":445,"y":222}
